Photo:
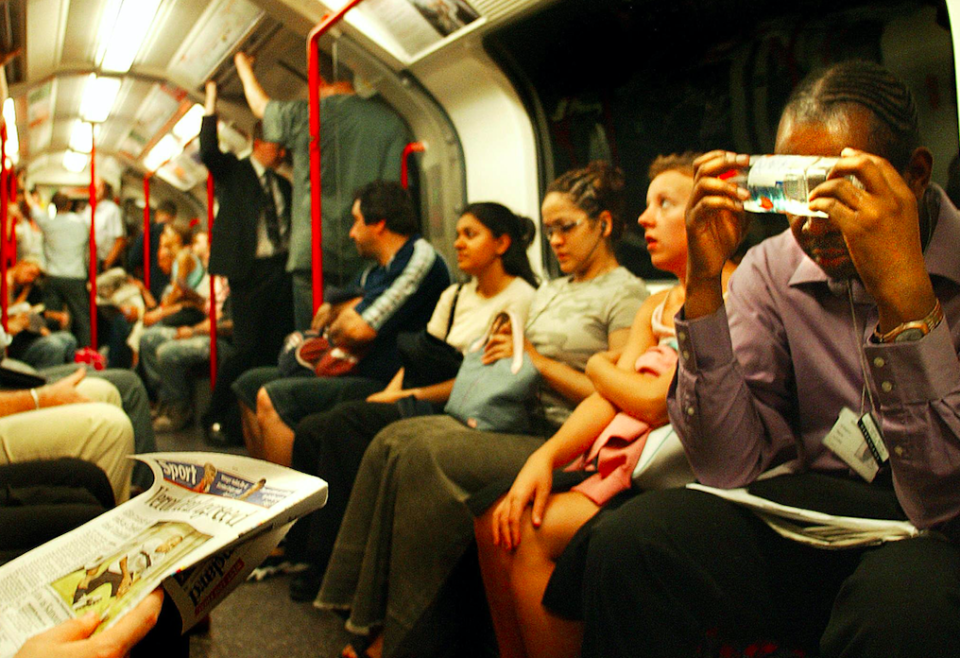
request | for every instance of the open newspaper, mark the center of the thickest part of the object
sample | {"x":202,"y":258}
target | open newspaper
{"x":816,"y":528}
{"x":207,"y":521}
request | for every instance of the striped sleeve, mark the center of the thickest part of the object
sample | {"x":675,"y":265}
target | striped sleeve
{"x":403,"y":287}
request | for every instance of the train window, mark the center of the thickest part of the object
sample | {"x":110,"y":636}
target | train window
{"x":626,"y":80}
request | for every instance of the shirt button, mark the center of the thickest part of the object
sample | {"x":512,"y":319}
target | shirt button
{"x":886,"y":386}
{"x":899,"y":450}
{"x":690,"y":410}
{"x":686,"y":354}
{"x":682,"y":335}
{"x":879,"y":362}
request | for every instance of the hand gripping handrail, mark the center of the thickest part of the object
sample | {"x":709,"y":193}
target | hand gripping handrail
{"x":316,"y":211}
{"x":412,"y":147}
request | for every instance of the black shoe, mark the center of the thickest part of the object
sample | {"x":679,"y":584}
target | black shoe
{"x":219,"y":437}
{"x":305,"y":585}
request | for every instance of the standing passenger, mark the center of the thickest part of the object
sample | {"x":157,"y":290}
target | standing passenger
{"x":844,"y":312}
{"x":362,"y":141}
{"x":65,"y":238}
{"x":250,"y":245}
{"x":109,"y":230}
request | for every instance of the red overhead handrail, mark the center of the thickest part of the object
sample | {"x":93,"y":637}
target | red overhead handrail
{"x":12,"y":237}
{"x":313,"y":67}
{"x":146,"y":231}
{"x":412,"y":147}
{"x":93,"y":237}
{"x":213,"y":292}
{"x":4,"y":292}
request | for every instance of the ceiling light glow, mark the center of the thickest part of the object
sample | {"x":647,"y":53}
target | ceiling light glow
{"x":98,"y":98}
{"x":188,"y":126}
{"x":81,"y":137}
{"x":122,"y":32}
{"x":13,"y":141}
{"x":75,"y":162}
{"x":166,"y":149}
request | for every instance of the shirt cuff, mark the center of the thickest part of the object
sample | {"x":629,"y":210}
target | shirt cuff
{"x":704,"y":343}
{"x":914,"y":371}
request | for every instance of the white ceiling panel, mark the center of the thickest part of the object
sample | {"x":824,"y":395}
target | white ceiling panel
{"x":46,"y":23}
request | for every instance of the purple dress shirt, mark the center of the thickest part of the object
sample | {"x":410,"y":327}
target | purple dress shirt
{"x":765,"y":391}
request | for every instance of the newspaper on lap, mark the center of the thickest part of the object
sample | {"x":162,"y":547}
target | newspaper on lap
{"x":207,"y":521}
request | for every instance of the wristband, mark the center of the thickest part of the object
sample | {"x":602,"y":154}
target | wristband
{"x":36,"y":398}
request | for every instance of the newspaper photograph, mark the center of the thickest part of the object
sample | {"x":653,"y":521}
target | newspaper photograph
{"x":207,"y":521}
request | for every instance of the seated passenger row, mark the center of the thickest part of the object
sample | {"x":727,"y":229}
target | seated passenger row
{"x":834,"y":325}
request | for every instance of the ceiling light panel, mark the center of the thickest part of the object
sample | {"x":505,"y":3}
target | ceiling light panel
{"x":75,"y":162}
{"x":166,"y":148}
{"x":133,"y":21}
{"x":13,"y":141}
{"x":98,"y":98}
{"x":81,"y":137}
{"x":188,"y":126}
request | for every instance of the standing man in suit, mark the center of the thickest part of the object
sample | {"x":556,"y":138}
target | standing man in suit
{"x":249,"y":245}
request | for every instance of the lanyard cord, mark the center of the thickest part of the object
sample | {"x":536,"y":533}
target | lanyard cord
{"x":866,"y":392}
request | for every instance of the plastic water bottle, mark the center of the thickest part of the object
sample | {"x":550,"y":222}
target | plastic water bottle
{"x":782,"y":183}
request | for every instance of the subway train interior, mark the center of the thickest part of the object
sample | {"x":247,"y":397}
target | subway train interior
{"x":498,"y":98}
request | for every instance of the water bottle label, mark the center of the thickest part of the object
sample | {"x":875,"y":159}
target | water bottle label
{"x":782,"y":183}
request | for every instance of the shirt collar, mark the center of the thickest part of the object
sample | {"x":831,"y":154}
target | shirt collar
{"x":940,"y":255}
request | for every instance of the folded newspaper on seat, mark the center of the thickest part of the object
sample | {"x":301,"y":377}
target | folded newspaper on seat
{"x":207,"y":521}
{"x":816,"y":528}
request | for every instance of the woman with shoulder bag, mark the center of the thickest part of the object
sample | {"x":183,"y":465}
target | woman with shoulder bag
{"x":491,"y":248}
{"x":407,"y":509}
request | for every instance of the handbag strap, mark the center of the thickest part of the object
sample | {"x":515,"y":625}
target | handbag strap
{"x":453,"y":310}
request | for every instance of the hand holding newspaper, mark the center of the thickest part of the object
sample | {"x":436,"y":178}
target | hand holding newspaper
{"x":207,"y":521}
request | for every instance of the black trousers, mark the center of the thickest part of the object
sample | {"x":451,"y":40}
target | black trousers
{"x":262,"y":310}
{"x":667,"y":566}
{"x":330,"y":445}
{"x":62,"y":291}
{"x":40,"y":500}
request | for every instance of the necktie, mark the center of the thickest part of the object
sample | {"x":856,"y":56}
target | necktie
{"x":270,"y":210}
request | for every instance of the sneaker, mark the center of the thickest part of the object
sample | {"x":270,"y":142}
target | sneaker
{"x":276,"y":565}
{"x":173,"y":419}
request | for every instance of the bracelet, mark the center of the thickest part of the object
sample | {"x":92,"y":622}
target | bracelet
{"x":36,"y":398}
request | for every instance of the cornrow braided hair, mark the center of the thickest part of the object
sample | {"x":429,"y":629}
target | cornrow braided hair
{"x":597,"y":187}
{"x":895,"y":133}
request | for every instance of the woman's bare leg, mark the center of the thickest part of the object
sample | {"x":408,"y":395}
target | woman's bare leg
{"x":251,"y":431}
{"x":275,"y":436}
{"x":546,"y":635}
{"x":496,"y":566}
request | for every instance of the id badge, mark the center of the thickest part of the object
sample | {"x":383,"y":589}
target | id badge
{"x":874,"y":438}
{"x":846,"y":440}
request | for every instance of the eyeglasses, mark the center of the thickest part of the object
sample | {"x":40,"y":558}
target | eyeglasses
{"x":561,"y":229}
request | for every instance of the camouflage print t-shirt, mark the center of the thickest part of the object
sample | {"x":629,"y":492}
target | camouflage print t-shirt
{"x":571,"y":321}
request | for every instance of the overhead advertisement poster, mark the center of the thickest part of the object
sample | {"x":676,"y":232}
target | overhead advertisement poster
{"x":411,"y":28}
{"x":446,"y":16}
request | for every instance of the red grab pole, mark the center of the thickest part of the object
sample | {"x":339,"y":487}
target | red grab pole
{"x":93,"y":237}
{"x":313,"y":67}
{"x":213,"y":292}
{"x":12,"y":237}
{"x":146,"y":231}
{"x":4,"y":222}
{"x":412,"y":147}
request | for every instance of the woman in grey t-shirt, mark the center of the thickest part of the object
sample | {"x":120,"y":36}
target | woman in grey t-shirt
{"x":406,"y":525}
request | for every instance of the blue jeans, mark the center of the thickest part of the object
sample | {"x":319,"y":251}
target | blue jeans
{"x":167,"y":361}
{"x":51,"y":350}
